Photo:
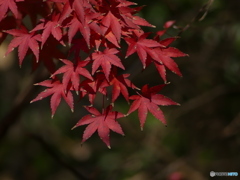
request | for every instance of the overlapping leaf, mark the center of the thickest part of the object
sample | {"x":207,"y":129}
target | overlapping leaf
{"x":6,"y":5}
{"x":120,"y":84}
{"x":24,"y":40}
{"x":106,"y":59}
{"x":164,"y":59}
{"x":57,"y":90}
{"x":92,"y":87}
{"x":49,"y":26}
{"x":112,"y":23}
{"x":142,"y":46}
{"x":100,"y":122}
{"x":149,"y":100}
{"x":75,"y":25}
{"x":72,"y":73}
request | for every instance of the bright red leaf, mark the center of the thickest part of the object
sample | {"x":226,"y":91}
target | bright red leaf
{"x":142,"y":46}
{"x":101,"y":122}
{"x":110,"y":22}
{"x":24,"y":40}
{"x":141,"y":22}
{"x":50,"y":26}
{"x":149,"y":100}
{"x":75,"y":26}
{"x":57,"y":90}
{"x":5,"y":5}
{"x":106,"y":59}
{"x":71,"y":73}
{"x":163,"y":58}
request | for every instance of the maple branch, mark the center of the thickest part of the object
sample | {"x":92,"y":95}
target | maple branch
{"x":49,"y":149}
{"x":202,"y":13}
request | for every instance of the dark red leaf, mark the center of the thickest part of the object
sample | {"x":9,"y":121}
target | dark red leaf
{"x":7,"y":23}
{"x":91,"y":87}
{"x":120,"y":84}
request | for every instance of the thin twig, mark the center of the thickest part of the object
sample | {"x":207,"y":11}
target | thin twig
{"x":202,"y":13}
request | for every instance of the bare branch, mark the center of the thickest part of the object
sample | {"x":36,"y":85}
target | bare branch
{"x":202,"y":13}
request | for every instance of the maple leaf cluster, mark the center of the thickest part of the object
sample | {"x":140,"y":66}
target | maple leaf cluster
{"x":92,"y":32}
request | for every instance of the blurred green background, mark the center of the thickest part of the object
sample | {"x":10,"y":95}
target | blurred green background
{"x":202,"y":134}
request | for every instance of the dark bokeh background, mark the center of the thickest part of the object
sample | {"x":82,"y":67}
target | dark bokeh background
{"x":202,"y":134}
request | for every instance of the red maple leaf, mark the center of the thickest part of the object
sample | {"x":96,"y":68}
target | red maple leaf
{"x":24,"y":40}
{"x":126,"y":13}
{"x":77,"y":7}
{"x":141,"y":22}
{"x":75,"y":26}
{"x":124,"y":3}
{"x":110,"y":22}
{"x":5,"y":5}
{"x":101,"y":122}
{"x":120,"y":84}
{"x":162,"y":58}
{"x":106,"y":59}
{"x":142,"y":46}
{"x":91,"y":87}
{"x":149,"y":101}
{"x":72,"y":72}
{"x":57,"y":90}
{"x":50,"y":25}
